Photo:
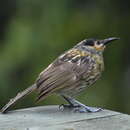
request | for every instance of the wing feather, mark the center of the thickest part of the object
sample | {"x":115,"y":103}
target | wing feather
{"x":57,"y":77}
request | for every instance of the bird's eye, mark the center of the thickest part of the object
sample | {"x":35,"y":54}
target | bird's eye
{"x":98,"y":43}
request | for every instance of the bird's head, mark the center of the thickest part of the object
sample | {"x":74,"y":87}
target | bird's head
{"x":96,"y":45}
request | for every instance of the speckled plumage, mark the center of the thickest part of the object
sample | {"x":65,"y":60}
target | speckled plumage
{"x":71,"y":73}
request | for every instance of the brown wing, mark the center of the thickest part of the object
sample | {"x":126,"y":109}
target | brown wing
{"x":67,"y":70}
{"x":56,"y":77}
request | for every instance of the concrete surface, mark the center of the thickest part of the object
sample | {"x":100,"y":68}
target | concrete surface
{"x":51,"y":118}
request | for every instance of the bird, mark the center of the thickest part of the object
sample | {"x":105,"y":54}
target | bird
{"x":68,"y":75}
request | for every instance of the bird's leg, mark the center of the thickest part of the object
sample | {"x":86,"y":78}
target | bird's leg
{"x":79,"y":107}
{"x":71,"y":103}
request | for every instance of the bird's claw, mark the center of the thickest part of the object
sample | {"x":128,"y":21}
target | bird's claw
{"x":87,"y":109}
{"x":64,"y":106}
{"x":67,"y":106}
{"x":78,"y":108}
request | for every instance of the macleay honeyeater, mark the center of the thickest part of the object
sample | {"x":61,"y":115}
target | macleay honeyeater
{"x":71,"y":73}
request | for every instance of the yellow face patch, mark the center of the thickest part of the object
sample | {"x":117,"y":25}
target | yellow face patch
{"x":99,"y":47}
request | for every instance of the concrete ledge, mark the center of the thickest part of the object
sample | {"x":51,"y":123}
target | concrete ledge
{"x":51,"y":118}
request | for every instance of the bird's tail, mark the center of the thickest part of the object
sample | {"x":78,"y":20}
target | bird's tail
{"x":18,"y":97}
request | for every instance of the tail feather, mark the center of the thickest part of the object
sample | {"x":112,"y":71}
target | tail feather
{"x":18,"y":97}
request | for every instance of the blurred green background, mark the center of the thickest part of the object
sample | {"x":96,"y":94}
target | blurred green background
{"x":34,"y":32}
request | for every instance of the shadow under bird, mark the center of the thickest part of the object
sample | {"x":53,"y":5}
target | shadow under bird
{"x":70,"y":74}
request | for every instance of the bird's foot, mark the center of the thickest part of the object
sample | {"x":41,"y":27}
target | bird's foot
{"x":83,"y":109}
{"x":78,"y":108}
{"x":67,"y":106}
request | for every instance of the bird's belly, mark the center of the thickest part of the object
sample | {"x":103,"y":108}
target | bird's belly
{"x":76,"y":88}
{"x":86,"y":80}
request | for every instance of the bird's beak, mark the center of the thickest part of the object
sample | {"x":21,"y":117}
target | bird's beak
{"x":106,"y":41}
